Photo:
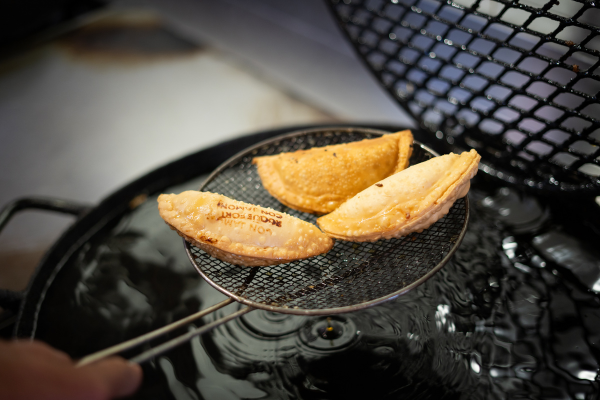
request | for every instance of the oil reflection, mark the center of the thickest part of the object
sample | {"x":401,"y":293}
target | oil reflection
{"x":512,"y":315}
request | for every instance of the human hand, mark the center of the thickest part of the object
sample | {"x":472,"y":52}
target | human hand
{"x":34,"y":370}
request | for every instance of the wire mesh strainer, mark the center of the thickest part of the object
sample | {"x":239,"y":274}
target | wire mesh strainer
{"x":517,"y":80}
{"x":349,"y":277}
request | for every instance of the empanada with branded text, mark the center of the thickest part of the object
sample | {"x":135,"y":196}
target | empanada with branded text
{"x":241,"y":233}
{"x":406,"y":202}
{"x":318,"y":180}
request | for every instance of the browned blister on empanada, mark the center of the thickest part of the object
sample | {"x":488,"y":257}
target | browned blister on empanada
{"x":406,"y":202}
{"x":241,"y":233}
{"x":318,"y":180}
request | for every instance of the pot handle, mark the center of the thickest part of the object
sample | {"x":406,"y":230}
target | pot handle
{"x":9,"y":299}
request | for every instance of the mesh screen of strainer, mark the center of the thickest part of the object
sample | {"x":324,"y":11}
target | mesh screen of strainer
{"x":350,"y":276}
{"x":517,"y":80}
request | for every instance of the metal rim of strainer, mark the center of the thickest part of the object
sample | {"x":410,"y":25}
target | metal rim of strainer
{"x":246,"y":274}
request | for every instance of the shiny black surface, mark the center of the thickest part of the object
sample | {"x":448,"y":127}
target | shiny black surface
{"x":513,"y":314}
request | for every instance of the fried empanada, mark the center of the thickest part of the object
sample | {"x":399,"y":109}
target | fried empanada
{"x":241,"y":233}
{"x":406,"y":202}
{"x":318,"y":180}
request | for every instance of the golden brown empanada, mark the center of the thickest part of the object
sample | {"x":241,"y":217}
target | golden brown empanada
{"x":406,"y":202}
{"x":318,"y":180}
{"x":241,"y":233}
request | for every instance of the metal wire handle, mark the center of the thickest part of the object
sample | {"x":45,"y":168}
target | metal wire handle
{"x":153,"y":352}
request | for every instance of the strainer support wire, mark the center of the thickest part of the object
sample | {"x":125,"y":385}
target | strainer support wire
{"x":147,"y":355}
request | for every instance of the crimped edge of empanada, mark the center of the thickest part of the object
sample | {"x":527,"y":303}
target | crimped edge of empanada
{"x":405,"y":147}
{"x":425,"y":219}
{"x":272,"y":182}
{"x":239,"y":253}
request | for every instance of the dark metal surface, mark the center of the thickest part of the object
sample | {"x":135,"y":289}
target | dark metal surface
{"x":349,"y":277}
{"x":518,"y":81}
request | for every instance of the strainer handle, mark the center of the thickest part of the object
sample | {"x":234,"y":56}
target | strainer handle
{"x":155,"y":351}
{"x":145,"y":356}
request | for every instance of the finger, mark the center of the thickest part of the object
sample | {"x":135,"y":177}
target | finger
{"x":40,"y":349}
{"x":116,"y":377}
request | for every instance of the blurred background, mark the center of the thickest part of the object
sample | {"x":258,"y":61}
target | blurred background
{"x":94,"y":94}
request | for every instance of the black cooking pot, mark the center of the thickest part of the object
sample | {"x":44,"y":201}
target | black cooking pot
{"x":505,"y":317}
